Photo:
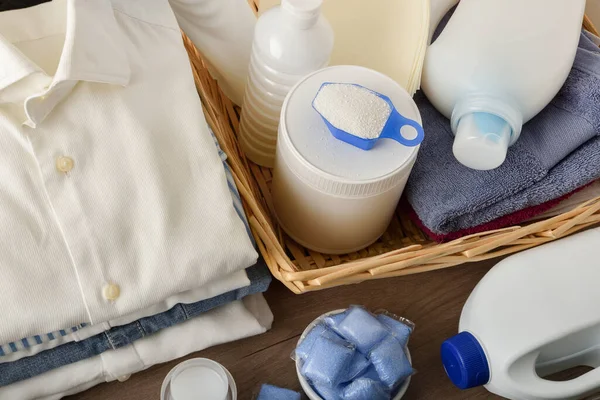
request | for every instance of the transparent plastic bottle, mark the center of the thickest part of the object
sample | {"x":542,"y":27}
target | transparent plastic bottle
{"x":290,"y":41}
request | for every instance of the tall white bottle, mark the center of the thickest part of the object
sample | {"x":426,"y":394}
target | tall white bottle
{"x":534,"y":314}
{"x":496,"y":65}
{"x":222,"y":30}
{"x":290,"y":41}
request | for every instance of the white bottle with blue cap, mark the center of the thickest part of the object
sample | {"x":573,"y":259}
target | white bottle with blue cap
{"x":496,"y":64}
{"x":533,"y":315}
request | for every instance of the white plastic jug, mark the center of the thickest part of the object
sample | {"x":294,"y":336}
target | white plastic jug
{"x":496,"y":65}
{"x":222,"y":30}
{"x":534,"y":314}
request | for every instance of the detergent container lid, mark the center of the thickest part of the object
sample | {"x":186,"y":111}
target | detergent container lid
{"x":464,"y":361}
{"x":199,"y":378}
{"x":330,"y":165}
{"x":482,"y":141}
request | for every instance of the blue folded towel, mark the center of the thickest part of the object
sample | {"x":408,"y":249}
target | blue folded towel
{"x":558,"y":152}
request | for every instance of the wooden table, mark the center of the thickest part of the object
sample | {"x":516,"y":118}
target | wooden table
{"x":432,"y":300}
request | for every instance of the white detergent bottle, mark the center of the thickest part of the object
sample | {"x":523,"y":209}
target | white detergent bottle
{"x":290,"y":41}
{"x":534,"y":314}
{"x":222,"y":30}
{"x":496,"y":65}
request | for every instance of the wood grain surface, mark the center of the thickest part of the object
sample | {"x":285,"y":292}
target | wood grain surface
{"x":432,"y":300}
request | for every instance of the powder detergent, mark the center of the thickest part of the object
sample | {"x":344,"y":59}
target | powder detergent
{"x":353,"y":109}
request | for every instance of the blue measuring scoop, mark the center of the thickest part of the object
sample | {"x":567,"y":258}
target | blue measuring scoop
{"x":391,"y":129}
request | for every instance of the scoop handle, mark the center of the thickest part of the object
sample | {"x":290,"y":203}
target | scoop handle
{"x":391,"y":130}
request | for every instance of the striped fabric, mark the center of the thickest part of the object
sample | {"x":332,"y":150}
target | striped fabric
{"x":24,"y":343}
{"x":235,"y":195}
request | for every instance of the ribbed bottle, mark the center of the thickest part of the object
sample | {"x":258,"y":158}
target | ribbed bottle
{"x":290,"y":41}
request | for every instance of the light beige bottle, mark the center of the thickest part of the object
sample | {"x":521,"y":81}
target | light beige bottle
{"x":389,"y":36}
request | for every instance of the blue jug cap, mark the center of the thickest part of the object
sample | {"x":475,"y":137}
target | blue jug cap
{"x":465,"y":361}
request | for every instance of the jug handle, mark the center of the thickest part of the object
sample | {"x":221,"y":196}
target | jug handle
{"x":532,"y":384}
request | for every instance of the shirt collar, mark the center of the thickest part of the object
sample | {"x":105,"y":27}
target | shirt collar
{"x":91,"y":52}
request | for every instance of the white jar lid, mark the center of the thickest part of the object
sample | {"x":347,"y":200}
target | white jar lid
{"x":199,"y":378}
{"x":334,"y":166}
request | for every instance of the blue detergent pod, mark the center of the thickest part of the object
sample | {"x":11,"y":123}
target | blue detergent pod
{"x":365,"y":389}
{"x":303,"y":349}
{"x":390,"y":362}
{"x":400,"y":330}
{"x":333,"y":320}
{"x":328,"y":393}
{"x":371,"y":373}
{"x":269,"y":392}
{"x":358,"y":366}
{"x":328,"y":361}
{"x":362,"y":329}
{"x":360,"y":116}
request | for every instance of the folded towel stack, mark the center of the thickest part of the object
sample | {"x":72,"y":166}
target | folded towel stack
{"x":557,"y":154}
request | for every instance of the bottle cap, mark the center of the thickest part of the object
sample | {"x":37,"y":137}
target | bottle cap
{"x":306,"y":8}
{"x":482,"y":140}
{"x":465,"y":361}
{"x":198,"y":378}
{"x":305,"y":12}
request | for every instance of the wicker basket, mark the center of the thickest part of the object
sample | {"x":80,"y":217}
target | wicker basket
{"x":402,"y":250}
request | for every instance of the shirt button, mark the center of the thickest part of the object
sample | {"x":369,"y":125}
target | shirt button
{"x":111,"y":292}
{"x":64,"y":164}
{"x":123,"y":378}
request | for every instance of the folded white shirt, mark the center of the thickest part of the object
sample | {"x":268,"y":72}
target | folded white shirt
{"x":113,"y":195}
{"x":234,"y":281}
{"x":237,"y":320}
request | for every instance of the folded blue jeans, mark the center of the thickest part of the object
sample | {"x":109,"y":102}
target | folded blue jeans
{"x":124,"y":335}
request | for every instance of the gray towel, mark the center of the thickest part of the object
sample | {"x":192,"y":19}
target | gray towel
{"x":558,"y":152}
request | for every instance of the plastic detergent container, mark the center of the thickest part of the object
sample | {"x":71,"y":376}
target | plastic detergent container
{"x":307,"y":388}
{"x":328,"y":195}
{"x":199,"y":378}
{"x":222,"y":30}
{"x":290,"y":41}
{"x":496,"y":65}
{"x":533,"y":315}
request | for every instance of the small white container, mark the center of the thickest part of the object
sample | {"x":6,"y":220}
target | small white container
{"x":199,"y":378}
{"x":330,"y":196}
{"x":312,"y":395}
